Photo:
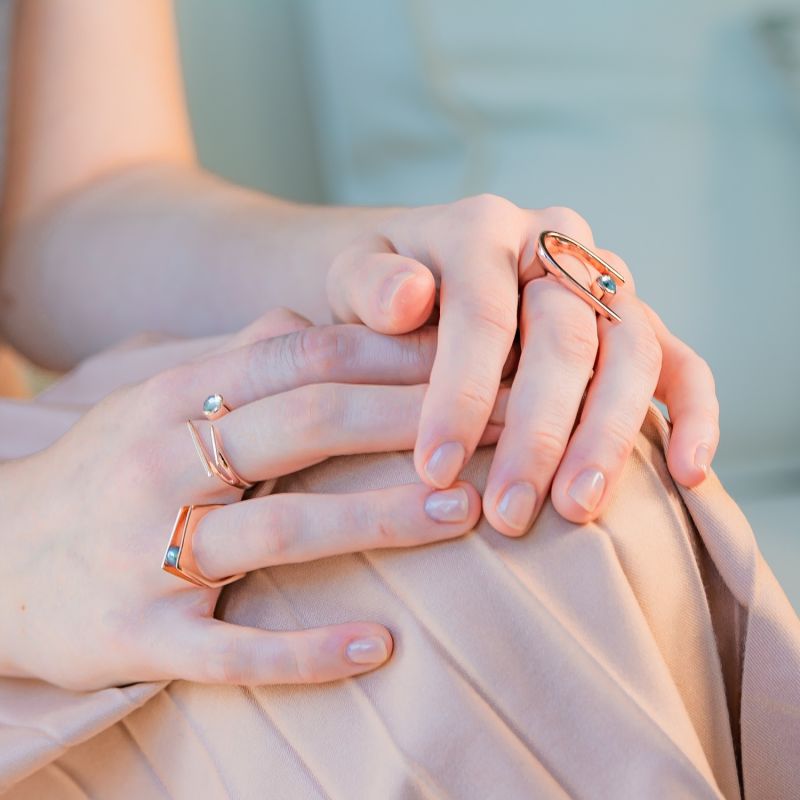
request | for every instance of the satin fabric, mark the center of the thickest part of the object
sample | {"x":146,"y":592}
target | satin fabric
{"x":649,"y":654}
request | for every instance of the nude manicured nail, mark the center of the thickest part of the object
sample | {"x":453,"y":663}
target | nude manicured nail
{"x":445,"y":464}
{"x":451,"y":505}
{"x":702,"y":458}
{"x":391,"y":285}
{"x":516,"y":506}
{"x":371,"y":650}
{"x":587,"y":489}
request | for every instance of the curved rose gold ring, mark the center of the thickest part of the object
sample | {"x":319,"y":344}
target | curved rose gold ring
{"x":551,"y":243}
{"x":217,"y":464}
{"x":178,"y":558}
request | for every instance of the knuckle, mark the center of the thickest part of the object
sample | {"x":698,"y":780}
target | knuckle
{"x":487,"y":204}
{"x":646,"y":351}
{"x":317,"y":351}
{"x":617,"y":440}
{"x":478,"y":394}
{"x":383,"y":526}
{"x":231,"y":661}
{"x":547,"y":445}
{"x":161,"y":388}
{"x":567,"y":220}
{"x":707,"y":379}
{"x":146,"y":467}
{"x":274,"y":532}
{"x":275,"y":322}
{"x":575,"y":343}
{"x":315,"y":407}
{"x":494,"y":317}
{"x":377,"y":526}
{"x":304,"y":667}
{"x":486,"y":214}
{"x":418,"y":348}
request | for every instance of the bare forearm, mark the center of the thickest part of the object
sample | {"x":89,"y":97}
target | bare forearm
{"x":109,"y":227}
{"x":165,"y":248}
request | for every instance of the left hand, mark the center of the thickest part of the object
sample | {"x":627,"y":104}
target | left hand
{"x":481,"y":253}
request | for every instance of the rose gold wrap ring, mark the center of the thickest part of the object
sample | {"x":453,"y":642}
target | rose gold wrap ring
{"x":552,"y":243}
{"x":217,"y":464}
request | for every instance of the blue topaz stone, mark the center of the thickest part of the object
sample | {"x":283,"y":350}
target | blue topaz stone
{"x":172,"y":556}
{"x":607,"y":284}
{"x":212,"y":404}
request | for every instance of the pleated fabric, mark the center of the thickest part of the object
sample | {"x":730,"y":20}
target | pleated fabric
{"x":649,"y":654}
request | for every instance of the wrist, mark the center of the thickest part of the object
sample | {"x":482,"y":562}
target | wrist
{"x":273,"y":252}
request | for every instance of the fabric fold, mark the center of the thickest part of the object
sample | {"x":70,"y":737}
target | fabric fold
{"x":649,"y":652}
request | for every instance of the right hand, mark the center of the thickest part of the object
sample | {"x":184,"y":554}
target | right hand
{"x":85,"y":603}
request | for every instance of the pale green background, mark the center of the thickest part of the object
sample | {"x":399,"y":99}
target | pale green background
{"x":674,"y":128}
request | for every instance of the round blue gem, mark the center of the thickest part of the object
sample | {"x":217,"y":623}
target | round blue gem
{"x":607,"y":284}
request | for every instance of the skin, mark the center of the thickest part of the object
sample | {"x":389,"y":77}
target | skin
{"x":291,"y":386}
{"x":111,"y":178}
{"x":104,"y":199}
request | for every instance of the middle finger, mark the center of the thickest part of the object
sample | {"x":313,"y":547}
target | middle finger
{"x":559,"y":334}
{"x":290,"y":528}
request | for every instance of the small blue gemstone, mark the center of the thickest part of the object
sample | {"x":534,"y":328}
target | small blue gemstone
{"x":172,"y":556}
{"x":212,"y":404}
{"x":607,"y":284}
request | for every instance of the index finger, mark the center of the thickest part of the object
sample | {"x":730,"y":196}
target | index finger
{"x":476,"y":332}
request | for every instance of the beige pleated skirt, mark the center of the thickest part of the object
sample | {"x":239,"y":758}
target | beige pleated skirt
{"x":648,"y":655}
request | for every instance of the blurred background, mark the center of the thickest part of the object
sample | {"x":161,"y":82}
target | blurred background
{"x":673,"y":128}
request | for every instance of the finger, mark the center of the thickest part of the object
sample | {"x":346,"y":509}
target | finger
{"x":334,"y":353}
{"x":293,"y":430}
{"x":686,"y":387}
{"x":210,"y":651}
{"x":372,"y":284}
{"x":559,"y":346}
{"x":569,"y":222}
{"x":628,"y":365}
{"x":476,"y":332}
{"x":275,"y":322}
{"x":297,"y":429}
{"x":290,"y":528}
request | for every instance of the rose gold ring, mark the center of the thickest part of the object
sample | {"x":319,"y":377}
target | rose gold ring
{"x":551,"y":243}
{"x":217,"y":465}
{"x":178,"y":558}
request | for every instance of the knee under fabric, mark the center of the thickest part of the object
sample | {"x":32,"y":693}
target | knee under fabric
{"x":650,"y":651}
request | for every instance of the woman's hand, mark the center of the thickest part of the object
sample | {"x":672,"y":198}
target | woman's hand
{"x":480,"y":254}
{"x":85,"y":523}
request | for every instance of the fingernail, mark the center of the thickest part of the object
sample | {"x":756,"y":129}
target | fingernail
{"x":452,"y":505}
{"x":516,"y":506}
{"x":445,"y":464}
{"x":371,"y":650}
{"x":391,"y":285}
{"x":702,"y":458}
{"x":587,"y":489}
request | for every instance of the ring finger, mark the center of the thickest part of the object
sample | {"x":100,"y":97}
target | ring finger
{"x":628,"y":366}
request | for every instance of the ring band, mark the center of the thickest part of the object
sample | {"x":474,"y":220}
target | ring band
{"x":551,"y":242}
{"x":217,"y":465}
{"x":178,"y":558}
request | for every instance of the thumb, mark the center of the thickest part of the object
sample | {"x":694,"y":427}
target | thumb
{"x":388,"y":292}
